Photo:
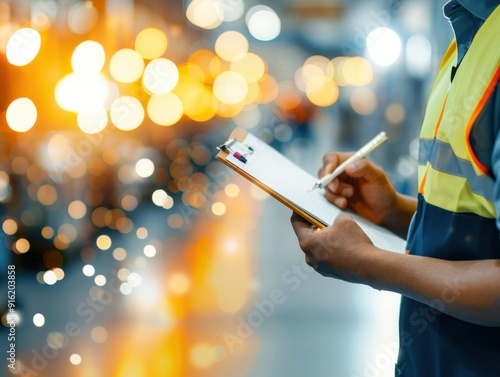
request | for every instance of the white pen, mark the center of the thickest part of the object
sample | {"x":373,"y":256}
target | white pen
{"x":367,"y":148}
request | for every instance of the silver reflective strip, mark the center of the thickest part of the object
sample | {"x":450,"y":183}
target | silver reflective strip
{"x":441,"y":157}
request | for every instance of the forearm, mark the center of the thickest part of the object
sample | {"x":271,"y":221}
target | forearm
{"x":468,"y":290}
{"x":398,"y":220}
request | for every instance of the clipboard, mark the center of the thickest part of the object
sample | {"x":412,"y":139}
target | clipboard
{"x":288,"y":183}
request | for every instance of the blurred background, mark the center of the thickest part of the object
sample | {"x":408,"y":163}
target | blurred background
{"x":132,"y":251}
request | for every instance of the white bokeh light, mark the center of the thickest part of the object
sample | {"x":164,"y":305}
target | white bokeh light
{"x":384,"y":46}
{"x":49,"y":277}
{"x":418,"y":53}
{"x":88,"y":58}
{"x":126,"y":113}
{"x":75,"y":359}
{"x":263,"y":23}
{"x":38,"y":320}
{"x":77,"y":93}
{"x":21,"y":114}
{"x":23,"y":46}
{"x":232,"y":9}
{"x":92,"y":121}
{"x":160,"y":76}
{"x":88,"y":270}
{"x":144,"y":167}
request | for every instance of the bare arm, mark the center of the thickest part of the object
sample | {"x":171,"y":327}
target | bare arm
{"x":468,"y":290}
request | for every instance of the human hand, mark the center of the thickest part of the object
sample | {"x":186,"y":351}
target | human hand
{"x":339,"y":251}
{"x":363,"y":188}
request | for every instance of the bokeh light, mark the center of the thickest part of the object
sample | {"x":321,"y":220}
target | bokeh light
{"x":232,"y":190}
{"x":363,"y":100}
{"x":418,"y":53}
{"x":126,"y":65}
{"x":395,"y":113}
{"x":103,"y":242}
{"x":232,"y":9}
{"x":9,"y":226}
{"x":384,"y":46}
{"x":88,"y":58}
{"x":92,"y":121}
{"x":151,"y":43}
{"x":82,"y":17}
{"x":100,"y":280}
{"x":230,"y":88}
{"x":47,"y":194}
{"x":231,"y":45}
{"x":49,"y":277}
{"x":165,"y":109}
{"x":23,"y":46}
{"x":317,"y":66}
{"x":263,"y":23}
{"x":38,"y":320}
{"x":322,"y":91}
{"x":21,"y":115}
{"x":75,"y":359}
{"x":218,"y":208}
{"x":99,"y":334}
{"x":206,"y":14}
{"x":134,"y":279}
{"x":250,"y":66}
{"x":88,"y":270}
{"x":357,"y":71}
{"x":119,"y":254}
{"x":144,"y":168}
{"x":22,"y":245}
{"x":160,"y":76}
{"x":126,"y":113}
{"x":79,"y":93}
{"x":201,"y":356}
{"x":149,"y":251}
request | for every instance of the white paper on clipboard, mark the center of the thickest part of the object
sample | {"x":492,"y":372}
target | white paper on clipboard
{"x":292,"y":183}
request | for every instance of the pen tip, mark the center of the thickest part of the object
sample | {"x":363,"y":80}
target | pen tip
{"x":316,"y":186}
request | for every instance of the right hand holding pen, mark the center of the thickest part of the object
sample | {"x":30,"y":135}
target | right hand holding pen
{"x":363,"y":188}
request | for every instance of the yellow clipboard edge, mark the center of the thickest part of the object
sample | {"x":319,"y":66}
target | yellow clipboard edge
{"x":240,"y":135}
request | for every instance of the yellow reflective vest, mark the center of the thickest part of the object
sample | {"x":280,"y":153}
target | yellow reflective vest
{"x":450,"y":175}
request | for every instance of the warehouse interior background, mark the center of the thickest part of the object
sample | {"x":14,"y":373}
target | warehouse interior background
{"x":133,"y":251}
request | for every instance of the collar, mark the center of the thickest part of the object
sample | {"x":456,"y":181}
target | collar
{"x":480,"y":8}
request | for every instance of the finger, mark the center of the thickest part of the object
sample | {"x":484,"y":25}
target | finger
{"x":343,"y":218}
{"x":310,"y":261}
{"x":338,"y":200}
{"x":330,"y":161}
{"x":338,"y":187}
{"x":301,"y":227}
{"x":363,"y":169}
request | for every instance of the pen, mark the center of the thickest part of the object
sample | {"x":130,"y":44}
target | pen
{"x":367,"y":148}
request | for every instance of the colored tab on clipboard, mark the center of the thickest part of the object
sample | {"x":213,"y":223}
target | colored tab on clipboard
{"x":241,"y":154}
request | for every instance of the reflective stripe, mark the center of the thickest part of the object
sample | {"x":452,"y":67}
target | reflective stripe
{"x":441,"y":157}
{"x":424,"y":150}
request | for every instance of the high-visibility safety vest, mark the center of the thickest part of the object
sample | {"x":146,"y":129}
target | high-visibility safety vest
{"x":455,"y":217}
{"x":450,"y":175}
